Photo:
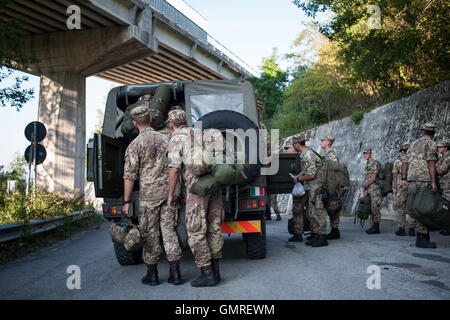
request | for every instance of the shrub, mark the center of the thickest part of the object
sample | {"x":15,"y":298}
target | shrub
{"x":357,"y":116}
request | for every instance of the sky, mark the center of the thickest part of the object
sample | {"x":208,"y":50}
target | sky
{"x":250,"y":29}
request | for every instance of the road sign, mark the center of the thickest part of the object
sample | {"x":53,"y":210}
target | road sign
{"x":41,"y":154}
{"x":41,"y":132}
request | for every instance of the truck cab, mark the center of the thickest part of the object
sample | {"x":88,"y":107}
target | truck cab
{"x":217,"y":104}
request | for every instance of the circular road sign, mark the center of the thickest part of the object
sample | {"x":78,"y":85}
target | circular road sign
{"x":41,"y":132}
{"x":40,"y":151}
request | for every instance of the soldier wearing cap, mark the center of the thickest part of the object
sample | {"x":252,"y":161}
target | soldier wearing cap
{"x":146,"y":161}
{"x":204,"y":214}
{"x":310,"y":164}
{"x":419,"y":169}
{"x":332,"y":207}
{"x":372,"y":188}
{"x":442,"y":169}
{"x":401,"y":196}
{"x":288,"y":148}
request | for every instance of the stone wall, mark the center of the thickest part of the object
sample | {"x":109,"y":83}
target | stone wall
{"x":384,"y":129}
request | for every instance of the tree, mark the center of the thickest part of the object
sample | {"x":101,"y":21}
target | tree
{"x":270,"y":85}
{"x":17,"y":171}
{"x":13,"y":56}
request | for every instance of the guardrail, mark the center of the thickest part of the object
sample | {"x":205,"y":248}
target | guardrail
{"x":15,"y":230}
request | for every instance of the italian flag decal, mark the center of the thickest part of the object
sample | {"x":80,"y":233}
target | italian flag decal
{"x":256,"y":191}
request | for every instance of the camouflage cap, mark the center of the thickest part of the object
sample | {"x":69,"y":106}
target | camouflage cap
{"x":443,"y":144}
{"x":177,"y":117}
{"x":329,"y":138}
{"x":367,"y":150}
{"x":429,"y":127}
{"x":298,"y":139}
{"x":404,"y":147}
{"x":288,"y":145}
{"x":139,"y":111}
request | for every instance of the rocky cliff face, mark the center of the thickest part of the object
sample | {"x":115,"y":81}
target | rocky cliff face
{"x":384,"y":129}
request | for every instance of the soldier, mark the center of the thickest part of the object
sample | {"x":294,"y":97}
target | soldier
{"x":204,"y":215}
{"x":332,"y":207}
{"x":401,"y":197}
{"x":273,"y":203}
{"x":372,"y":188}
{"x":146,"y":161}
{"x":310,"y":164}
{"x":442,"y":169}
{"x":419,"y":169}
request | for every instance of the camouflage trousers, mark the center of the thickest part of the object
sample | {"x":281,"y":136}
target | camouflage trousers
{"x":204,"y":218}
{"x":273,"y":202}
{"x":317,"y":212}
{"x":333,"y":208}
{"x":298,"y":210}
{"x":412,"y":185}
{"x":152,"y":219}
{"x":401,"y":198}
{"x":375,"y":203}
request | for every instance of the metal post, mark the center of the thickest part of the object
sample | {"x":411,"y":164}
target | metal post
{"x":34,"y":156}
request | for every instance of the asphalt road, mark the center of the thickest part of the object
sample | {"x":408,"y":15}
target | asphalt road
{"x":290,"y":271}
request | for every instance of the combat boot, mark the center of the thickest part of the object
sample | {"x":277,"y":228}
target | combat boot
{"x":205,"y":279}
{"x":215,"y":269}
{"x":296,"y":238}
{"x":334,"y":234}
{"x":319,"y":241}
{"x":151,"y":278}
{"x":401,"y":232}
{"x":412,"y":232}
{"x":175,"y":273}
{"x":375,"y":229}
{"x":278,"y":217}
{"x":312,"y":238}
{"x":445,"y":232}
{"x":423,"y":242}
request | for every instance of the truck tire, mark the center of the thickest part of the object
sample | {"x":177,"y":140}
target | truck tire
{"x":256,"y":245}
{"x":226,"y":119}
{"x":126,"y":258}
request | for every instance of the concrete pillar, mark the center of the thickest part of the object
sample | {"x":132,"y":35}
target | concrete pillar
{"x":62,"y":108}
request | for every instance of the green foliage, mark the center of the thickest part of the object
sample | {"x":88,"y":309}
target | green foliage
{"x":13,"y":55}
{"x":17,"y":171}
{"x":357,"y":116}
{"x":40,"y":204}
{"x":270,"y":85}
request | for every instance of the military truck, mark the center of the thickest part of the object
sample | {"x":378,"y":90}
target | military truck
{"x":219,"y":104}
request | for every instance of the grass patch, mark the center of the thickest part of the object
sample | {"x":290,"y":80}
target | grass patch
{"x":15,"y":249}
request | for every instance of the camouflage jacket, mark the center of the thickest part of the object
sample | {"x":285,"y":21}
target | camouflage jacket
{"x":444,"y":179}
{"x":372,"y":166}
{"x":419,"y":153}
{"x":397,"y":169}
{"x":146,"y":161}
{"x":310,"y":164}
{"x":331,"y":155}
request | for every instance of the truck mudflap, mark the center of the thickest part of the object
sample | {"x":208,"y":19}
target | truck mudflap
{"x":253,"y":226}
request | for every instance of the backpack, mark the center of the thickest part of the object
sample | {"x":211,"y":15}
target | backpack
{"x":384,"y":179}
{"x":364,"y":209}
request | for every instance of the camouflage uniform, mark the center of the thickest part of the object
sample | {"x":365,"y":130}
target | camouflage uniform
{"x":444,"y":180}
{"x":419,"y":153}
{"x":298,"y":210}
{"x":331,"y":155}
{"x":273,"y":202}
{"x":204,"y":215}
{"x":401,"y":198}
{"x":146,"y":161}
{"x":373,"y":167}
{"x":310,"y":164}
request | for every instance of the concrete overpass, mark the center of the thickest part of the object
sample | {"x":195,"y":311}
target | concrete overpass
{"x":126,"y":41}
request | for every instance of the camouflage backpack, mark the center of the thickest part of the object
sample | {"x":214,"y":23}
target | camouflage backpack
{"x":364,"y":209}
{"x":384,"y":178}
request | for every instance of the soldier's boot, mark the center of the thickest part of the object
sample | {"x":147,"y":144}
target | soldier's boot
{"x":412,"y":232}
{"x":312,"y":238}
{"x":334,"y":234}
{"x":375,"y":229}
{"x":445,"y":232}
{"x":422,"y":241}
{"x":296,"y":238}
{"x":175,"y":273}
{"x":151,"y":278}
{"x":278,"y":217}
{"x":401,"y":231}
{"x":268,"y":218}
{"x":215,"y":269}
{"x":205,"y":279}
{"x":320,"y":241}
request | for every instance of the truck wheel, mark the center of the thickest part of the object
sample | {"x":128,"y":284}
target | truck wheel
{"x":256,"y":243}
{"x":126,"y":258}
